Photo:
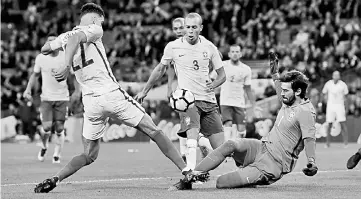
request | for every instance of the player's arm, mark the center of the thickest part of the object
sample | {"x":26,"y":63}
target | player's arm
{"x":171,"y":74}
{"x":307,"y":121}
{"x":217,"y":63}
{"x":275,"y":73}
{"x":55,"y":44}
{"x":324,"y":93}
{"x":248,"y":88}
{"x":34,"y":77}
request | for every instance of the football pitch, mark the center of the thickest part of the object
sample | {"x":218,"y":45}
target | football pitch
{"x":120,"y":172}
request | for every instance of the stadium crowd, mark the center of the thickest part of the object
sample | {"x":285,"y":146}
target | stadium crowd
{"x":313,"y":36}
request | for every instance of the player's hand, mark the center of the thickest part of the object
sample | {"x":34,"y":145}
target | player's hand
{"x":60,"y":75}
{"x":140,"y":96}
{"x":75,"y":97}
{"x":27,"y":94}
{"x":273,"y":62}
{"x":311,"y":169}
{"x":210,"y":86}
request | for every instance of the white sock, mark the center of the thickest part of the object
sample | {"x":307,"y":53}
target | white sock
{"x":191,"y":153}
{"x":227,"y":133}
{"x":183,"y":146}
{"x":205,"y":146}
{"x":59,"y":143}
{"x":44,"y":137}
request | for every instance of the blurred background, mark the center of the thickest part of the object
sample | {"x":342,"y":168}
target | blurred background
{"x":316,"y":37}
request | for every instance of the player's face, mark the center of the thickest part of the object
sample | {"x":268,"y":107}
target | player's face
{"x":193,"y":28}
{"x":288,"y":95}
{"x":234,"y":53}
{"x":336,"y":76}
{"x":178,"y":29}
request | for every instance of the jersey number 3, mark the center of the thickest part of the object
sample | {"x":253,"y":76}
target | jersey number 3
{"x":84,"y":62}
{"x":195,"y":64}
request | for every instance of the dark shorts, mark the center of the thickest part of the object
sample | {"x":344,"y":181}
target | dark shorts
{"x":205,"y":116}
{"x":256,"y":166}
{"x":51,"y":111}
{"x":235,"y":114}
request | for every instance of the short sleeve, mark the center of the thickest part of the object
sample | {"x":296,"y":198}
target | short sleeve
{"x":307,"y":121}
{"x":92,"y":32}
{"x":215,"y":57}
{"x":345,"y":90}
{"x":37,"y":67}
{"x":248,"y":78}
{"x":167,"y":54}
{"x":325,"y":88}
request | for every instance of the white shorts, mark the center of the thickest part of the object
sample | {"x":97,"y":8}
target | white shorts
{"x":117,"y":104}
{"x":335,"y":113}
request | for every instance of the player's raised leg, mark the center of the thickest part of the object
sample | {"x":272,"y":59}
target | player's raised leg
{"x":46,"y":117}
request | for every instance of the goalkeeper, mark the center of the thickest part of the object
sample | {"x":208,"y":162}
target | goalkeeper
{"x":265,"y":161}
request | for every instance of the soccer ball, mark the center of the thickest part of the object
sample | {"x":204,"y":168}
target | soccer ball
{"x":181,"y":100}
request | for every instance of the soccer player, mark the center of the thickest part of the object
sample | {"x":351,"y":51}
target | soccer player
{"x":232,"y":98}
{"x":354,"y":160}
{"x":336,"y":91}
{"x":54,"y":100}
{"x":192,"y":56}
{"x":102,"y":95}
{"x":203,"y":143}
{"x":265,"y":161}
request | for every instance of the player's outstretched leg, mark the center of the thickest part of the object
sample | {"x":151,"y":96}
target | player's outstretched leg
{"x":147,"y":126}
{"x":59,"y":141}
{"x":91,"y":151}
{"x":354,"y":160}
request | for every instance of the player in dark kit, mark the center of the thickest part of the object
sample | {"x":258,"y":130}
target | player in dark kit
{"x":265,"y":161}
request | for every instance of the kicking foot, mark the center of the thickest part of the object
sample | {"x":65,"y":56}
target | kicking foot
{"x":353,"y":160}
{"x":41,"y":155}
{"x":56,"y":160}
{"x":181,"y":185}
{"x":47,"y":185}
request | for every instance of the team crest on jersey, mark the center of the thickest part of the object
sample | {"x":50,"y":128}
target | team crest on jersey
{"x":187,"y":120}
{"x":205,"y":54}
{"x":292,"y":114}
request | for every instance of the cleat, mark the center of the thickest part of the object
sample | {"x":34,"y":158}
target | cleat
{"x":56,"y":160}
{"x":47,"y":185}
{"x":41,"y":155}
{"x":353,"y":160}
{"x":181,"y":185}
{"x":197,"y":176}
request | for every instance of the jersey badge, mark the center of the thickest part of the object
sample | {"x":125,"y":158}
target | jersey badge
{"x":292,"y":114}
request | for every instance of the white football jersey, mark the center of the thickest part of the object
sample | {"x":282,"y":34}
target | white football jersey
{"x":51,"y":90}
{"x":232,"y":91}
{"x":335,"y":92}
{"x":191,"y":64}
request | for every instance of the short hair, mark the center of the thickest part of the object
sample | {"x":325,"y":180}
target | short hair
{"x":52,"y":34}
{"x":91,"y":8}
{"x":235,"y":45}
{"x":194,"y":15}
{"x":178,"y":19}
{"x":298,"y":81}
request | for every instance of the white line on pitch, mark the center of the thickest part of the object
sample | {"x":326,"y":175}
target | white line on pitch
{"x":153,"y":178}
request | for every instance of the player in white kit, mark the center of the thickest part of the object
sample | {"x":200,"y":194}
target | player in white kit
{"x":192,"y":56}
{"x":102,"y":95}
{"x":336,"y":91}
{"x":203,"y":143}
{"x":233,"y":93}
{"x":54,"y":100}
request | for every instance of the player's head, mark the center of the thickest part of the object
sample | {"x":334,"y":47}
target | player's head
{"x":193,"y":24}
{"x":294,"y":85}
{"x":234,"y":52}
{"x":51,"y":36}
{"x":91,"y":13}
{"x":178,"y":27}
{"x":336,"y":76}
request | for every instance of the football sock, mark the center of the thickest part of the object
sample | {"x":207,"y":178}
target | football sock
{"x":227,"y":133}
{"x":204,"y":142}
{"x":169,"y":149}
{"x":191,"y":153}
{"x":45,"y":138}
{"x":59,"y":143}
{"x":73,"y":166}
{"x":183,"y":145}
{"x":214,"y":159}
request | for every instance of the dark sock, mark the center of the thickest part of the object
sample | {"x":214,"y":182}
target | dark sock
{"x":169,"y":150}
{"x":73,"y":166}
{"x":214,"y":159}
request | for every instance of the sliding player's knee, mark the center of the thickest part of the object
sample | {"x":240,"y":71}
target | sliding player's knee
{"x":230,"y":180}
{"x":193,"y":133}
{"x":228,"y":124}
{"x":59,"y":127}
{"x":230,"y":145}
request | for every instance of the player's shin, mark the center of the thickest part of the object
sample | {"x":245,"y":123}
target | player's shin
{"x":191,"y":153}
{"x":59,"y":143}
{"x":227,"y":133}
{"x":183,"y":146}
{"x":214,"y":159}
{"x":45,"y":138}
{"x":168,"y":149}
